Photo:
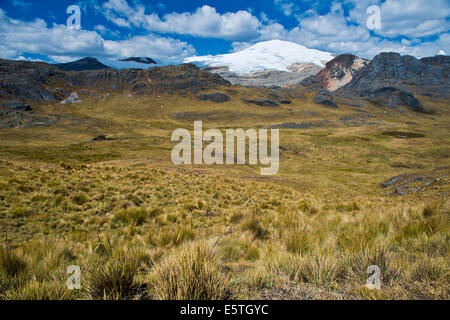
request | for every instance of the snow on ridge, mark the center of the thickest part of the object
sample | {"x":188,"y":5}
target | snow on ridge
{"x":274,"y":54}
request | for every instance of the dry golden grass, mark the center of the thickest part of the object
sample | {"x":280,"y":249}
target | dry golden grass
{"x":141,"y":228}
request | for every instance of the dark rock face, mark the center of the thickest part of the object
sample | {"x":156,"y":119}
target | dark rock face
{"x":324,"y":98}
{"x":214,"y":97}
{"x":389,"y":80}
{"x":16,"y":105}
{"x":392,"y":97}
{"x":82,"y":65}
{"x":28,"y":80}
{"x":39,"y":81}
{"x":406,"y":73}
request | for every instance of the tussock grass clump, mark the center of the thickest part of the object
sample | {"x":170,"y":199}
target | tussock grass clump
{"x":22,"y":212}
{"x":356,"y":264}
{"x":253,"y":224}
{"x":80,"y":198}
{"x":136,"y":216}
{"x":321,"y":270}
{"x":430,"y":270}
{"x":192,"y":272}
{"x":298,"y":242}
{"x":307,"y":207}
{"x":176,"y":236}
{"x":156,"y":212}
{"x":275,"y":268}
{"x":11,"y":263}
{"x":113,"y":279}
{"x":236,"y":217}
{"x":235,"y":249}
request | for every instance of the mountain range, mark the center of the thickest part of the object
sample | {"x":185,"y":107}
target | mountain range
{"x":287,"y":71}
{"x":101,"y":64}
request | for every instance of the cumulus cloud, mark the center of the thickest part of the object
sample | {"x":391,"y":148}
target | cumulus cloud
{"x":338,"y":32}
{"x":63,"y":44}
{"x":420,"y":28}
{"x":165,"y":50}
{"x":203,"y":22}
{"x":413,"y":19}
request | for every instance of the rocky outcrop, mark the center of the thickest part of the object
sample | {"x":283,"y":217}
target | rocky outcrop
{"x":393,"y":80}
{"x":392,"y":97}
{"x":73,"y":98}
{"x":38,"y":81}
{"x":16,"y":105}
{"x":217,"y":97}
{"x":426,"y":76}
{"x":340,"y":71}
{"x":324,"y":98}
{"x":21,"y":80}
{"x":389,"y":80}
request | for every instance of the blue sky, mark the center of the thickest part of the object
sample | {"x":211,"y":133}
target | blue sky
{"x":171,"y":30}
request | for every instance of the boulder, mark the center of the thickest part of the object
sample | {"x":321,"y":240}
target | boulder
{"x":17,"y":105}
{"x":324,"y":98}
{"x":214,"y":97}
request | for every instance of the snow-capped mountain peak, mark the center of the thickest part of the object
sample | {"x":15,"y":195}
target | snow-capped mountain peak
{"x":274,"y":54}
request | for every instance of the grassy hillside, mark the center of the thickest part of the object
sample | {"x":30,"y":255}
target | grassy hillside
{"x":141,"y":227}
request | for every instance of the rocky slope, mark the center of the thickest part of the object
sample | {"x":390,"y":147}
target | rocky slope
{"x":428,"y":76}
{"x":268,"y":78}
{"x":38,"y":81}
{"x":340,"y":71}
{"x":389,"y":80}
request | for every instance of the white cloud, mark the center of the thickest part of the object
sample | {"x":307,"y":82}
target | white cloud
{"x":413,"y":19}
{"x":203,"y":22}
{"x":63,"y":44}
{"x":287,"y":7}
{"x":165,"y":50}
{"x":336,"y":33}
